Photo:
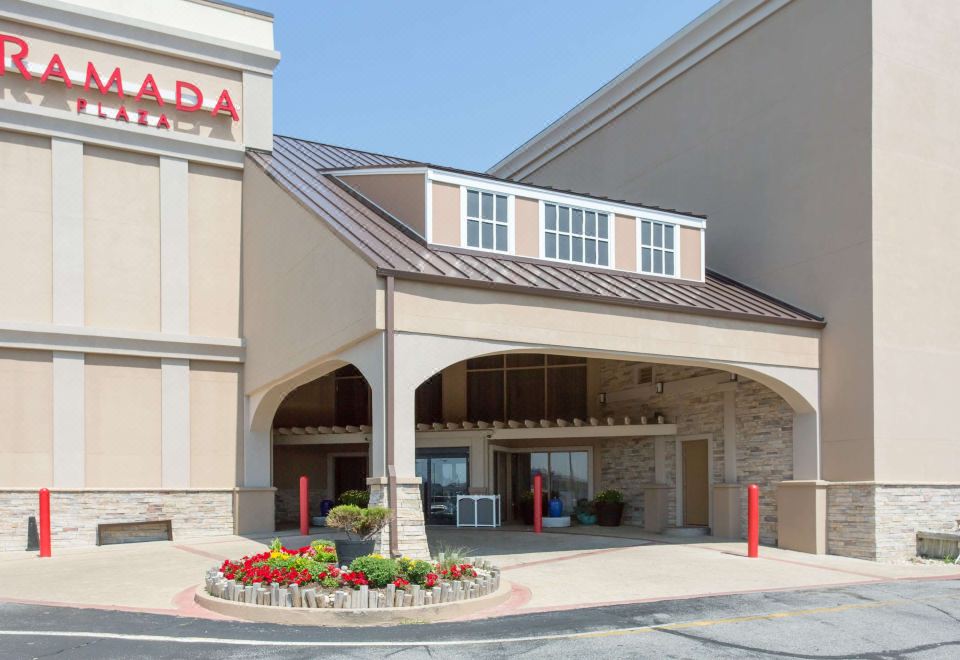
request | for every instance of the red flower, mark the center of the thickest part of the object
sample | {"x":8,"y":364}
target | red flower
{"x":400,"y":583}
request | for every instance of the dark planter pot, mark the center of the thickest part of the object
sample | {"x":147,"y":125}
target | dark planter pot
{"x":609,"y":514}
{"x":347,"y":551}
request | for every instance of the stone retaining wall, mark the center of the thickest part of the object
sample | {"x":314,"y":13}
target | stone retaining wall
{"x":881,"y":521}
{"x":764,"y":428}
{"x":75,"y":514}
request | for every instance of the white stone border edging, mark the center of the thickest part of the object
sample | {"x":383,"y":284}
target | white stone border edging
{"x":292,"y":605}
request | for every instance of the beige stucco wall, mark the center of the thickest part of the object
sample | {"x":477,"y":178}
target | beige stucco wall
{"x":400,"y":194}
{"x":214,"y":217}
{"x":214,"y":419}
{"x":527,"y":227}
{"x":25,"y":228}
{"x":292,"y":316}
{"x":122,"y":421}
{"x":690,"y":248}
{"x":121,"y":239}
{"x":626,"y":243}
{"x":770,"y":137}
{"x":445,"y":213}
{"x":448,"y":310}
{"x":26,"y":417}
{"x":76,"y":51}
{"x":916,"y":343}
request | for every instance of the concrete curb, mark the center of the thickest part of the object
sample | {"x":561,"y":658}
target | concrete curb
{"x":367,"y":617}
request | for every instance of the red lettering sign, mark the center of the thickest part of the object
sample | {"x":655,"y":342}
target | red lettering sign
{"x":16,"y":58}
{"x":93,"y":77}
{"x":181,"y":85}
{"x":225,"y":104}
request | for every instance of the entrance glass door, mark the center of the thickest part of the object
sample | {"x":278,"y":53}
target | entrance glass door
{"x":444,"y":474}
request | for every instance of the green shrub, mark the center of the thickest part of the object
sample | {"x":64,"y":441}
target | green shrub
{"x":380,"y":571}
{"x":609,"y":496}
{"x":360,"y":498}
{"x":324,"y":551}
{"x":414,"y":570}
{"x":358,"y":522}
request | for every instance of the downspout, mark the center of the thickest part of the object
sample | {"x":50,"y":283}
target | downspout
{"x":388,"y":368}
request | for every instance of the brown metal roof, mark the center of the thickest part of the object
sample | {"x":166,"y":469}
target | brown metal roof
{"x":394,"y":249}
{"x":331,"y":158}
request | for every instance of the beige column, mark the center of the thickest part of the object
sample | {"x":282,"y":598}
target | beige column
{"x":67,"y":259}
{"x":175,"y":319}
{"x":802,"y":516}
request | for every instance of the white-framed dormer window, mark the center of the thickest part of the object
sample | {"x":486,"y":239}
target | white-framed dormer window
{"x":658,"y":248}
{"x":576,"y":234}
{"x":487,"y":219}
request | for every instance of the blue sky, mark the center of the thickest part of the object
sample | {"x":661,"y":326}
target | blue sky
{"x":456,"y":83}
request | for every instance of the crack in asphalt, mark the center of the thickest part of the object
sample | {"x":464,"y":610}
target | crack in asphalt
{"x":872,"y":655}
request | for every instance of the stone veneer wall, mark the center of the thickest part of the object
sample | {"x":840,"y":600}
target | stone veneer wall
{"x":410,"y":525}
{"x":881,"y":521}
{"x":764,"y":424}
{"x":75,"y":514}
{"x":287,"y":503}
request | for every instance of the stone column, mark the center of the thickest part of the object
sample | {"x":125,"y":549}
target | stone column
{"x":412,"y":535}
{"x":726,"y":510}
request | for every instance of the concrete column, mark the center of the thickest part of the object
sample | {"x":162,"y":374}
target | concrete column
{"x":726,"y":510}
{"x":656,"y":498}
{"x":806,"y":446}
{"x":730,"y":436}
{"x":174,"y":247}
{"x":802,"y":516}
{"x":69,"y":451}
{"x":257,"y":452}
{"x":175,"y":423}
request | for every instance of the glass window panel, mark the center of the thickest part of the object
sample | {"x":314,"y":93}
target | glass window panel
{"x":564,"y":250}
{"x":501,"y":208}
{"x":525,"y":359}
{"x":602,"y":225}
{"x":486,"y":362}
{"x":668,"y":263}
{"x":577,"y":248}
{"x":577,"y":221}
{"x":581,"y":474}
{"x":561,"y":481}
{"x":540,"y":462}
{"x":486,"y":239}
{"x":668,"y":236}
{"x":567,"y":392}
{"x":604,"y":257}
{"x":657,"y":235}
{"x":550,"y":245}
{"x":473,"y":203}
{"x":473,"y":233}
{"x":553,"y":360}
{"x":645,"y":260}
{"x":501,"y":237}
{"x":550,"y":216}
{"x":590,"y":251}
{"x":485,"y":395}
{"x":564,"y":218}
{"x":657,"y":261}
{"x":525,"y":394}
{"x":486,"y":206}
{"x":590,"y":226}
{"x":645,"y":232}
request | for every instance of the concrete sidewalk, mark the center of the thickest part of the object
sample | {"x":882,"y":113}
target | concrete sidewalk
{"x":550,"y":571}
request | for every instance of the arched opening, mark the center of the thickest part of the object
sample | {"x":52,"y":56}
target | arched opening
{"x":678,"y":440}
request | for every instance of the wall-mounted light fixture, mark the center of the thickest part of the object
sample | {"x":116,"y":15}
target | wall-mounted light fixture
{"x":733,"y":377}
{"x":659,"y":388}
{"x":603,"y":397}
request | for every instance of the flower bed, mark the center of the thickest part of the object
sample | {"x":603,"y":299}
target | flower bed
{"x":309,"y":577}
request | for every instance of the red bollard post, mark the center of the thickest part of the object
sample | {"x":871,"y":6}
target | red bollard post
{"x":753,"y":521}
{"x":44,"y":522}
{"x":537,"y":503}
{"x":304,"y":506}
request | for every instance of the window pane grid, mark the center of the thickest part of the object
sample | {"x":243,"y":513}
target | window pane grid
{"x":487,"y":221}
{"x":657,"y":248}
{"x":572,"y":234}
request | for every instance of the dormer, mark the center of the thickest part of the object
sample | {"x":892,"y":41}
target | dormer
{"x":468,"y":211}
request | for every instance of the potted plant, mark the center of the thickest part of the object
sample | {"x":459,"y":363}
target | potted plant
{"x":586,"y":512}
{"x":361,"y":527}
{"x":609,"y":507}
{"x":525,"y":504}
